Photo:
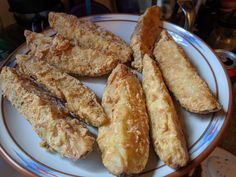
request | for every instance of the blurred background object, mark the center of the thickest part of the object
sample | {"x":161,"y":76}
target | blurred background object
{"x":133,"y":6}
{"x":144,"y":4}
{"x":33,"y":14}
{"x":216,"y":24}
{"x":6,"y":46}
{"x":229,"y":60}
{"x":212,"y":20}
{"x":88,"y":7}
{"x":223,"y":36}
{"x":124,"y":6}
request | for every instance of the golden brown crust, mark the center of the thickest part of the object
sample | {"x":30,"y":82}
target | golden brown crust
{"x":124,"y":142}
{"x":182,"y":79}
{"x":79,"y":99}
{"x":167,"y":135}
{"x":145,"y":35}
{"x":89,"y":35}
{"x":70,"y":58}
{"x":50,"y":121}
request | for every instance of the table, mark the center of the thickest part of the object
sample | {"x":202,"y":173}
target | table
{"x":228,"y":141}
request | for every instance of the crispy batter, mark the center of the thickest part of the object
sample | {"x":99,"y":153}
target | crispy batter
{"x":167,"y":135}
{"x":182,"y":79}
{"x":89,"y":35}
{"x":124,"y":142}
{"x":72,"y":59}
{"x":79,"y":99}
{"x":50,"y":121}
{"x":145,"y":35}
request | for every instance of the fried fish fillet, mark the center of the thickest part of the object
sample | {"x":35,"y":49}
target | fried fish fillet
{"x":70,"y":58}
{"x":124,"y":141}
{"x":90,"y":35}
{"x":145,"y":34}
{"x":182,"y":78}
{"x":167,"y":136}
{"x":49,"y":120}
{"x":78,"y":98}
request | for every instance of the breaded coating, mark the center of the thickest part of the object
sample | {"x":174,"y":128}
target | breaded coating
{"x":145,"y":34}
{"x":182,"y":78}
{"x":166,"y":132}
{"x":124,"y":141}
{"x":90,"y":35}
{"x":79,"y":99}
{"x":48,"y":119}
{"x":70,"y":58}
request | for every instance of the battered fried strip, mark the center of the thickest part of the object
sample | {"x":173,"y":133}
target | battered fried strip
{"x":144,"y":36}
{"x":79,"y":99}
{"x":124,"y":141}
{"x":89,"y":35}
{"x":72,"y":59}
{"x":181,"y":77}
{"x":50,"y":121}
{"x":167,"y":136}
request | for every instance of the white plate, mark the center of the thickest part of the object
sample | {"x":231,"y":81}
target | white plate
{"x":20,"y":144}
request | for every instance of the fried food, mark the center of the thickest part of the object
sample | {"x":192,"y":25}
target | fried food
{"x":182,"y":78}
{"x":167,"y":136}
{"x":145,"y":34}
{"x":78,"y":98}
{"x":124,"y":141}
{"x":90,"y":35}
{"x":70,"y":58}
{"x":50,"y":121}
